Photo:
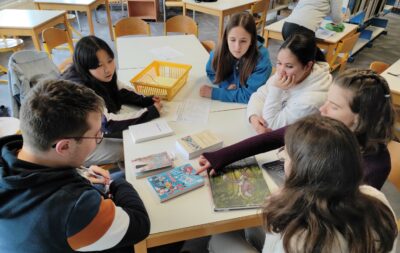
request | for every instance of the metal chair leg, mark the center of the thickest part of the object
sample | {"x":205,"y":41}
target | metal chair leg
{"x":79,"y":22}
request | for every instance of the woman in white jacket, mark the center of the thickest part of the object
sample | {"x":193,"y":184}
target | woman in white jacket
{"x":297,"y":89}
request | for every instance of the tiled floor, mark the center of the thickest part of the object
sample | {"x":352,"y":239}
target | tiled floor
{"x":385,"y":48}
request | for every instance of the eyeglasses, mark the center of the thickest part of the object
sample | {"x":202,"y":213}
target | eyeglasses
{"x":280,"y":154}
{"x":99,"y":138}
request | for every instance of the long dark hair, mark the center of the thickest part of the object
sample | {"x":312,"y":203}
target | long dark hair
{"x":84,"y":59}
{"x":373,"y":104}
{"x":223,"y":62}
{"x":321,"y":195}
{"x":304,"y":47}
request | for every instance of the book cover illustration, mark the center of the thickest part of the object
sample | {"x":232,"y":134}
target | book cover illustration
{"x":240,"y":185}
{"x":152,"y":162}
{"x":174,"y":182}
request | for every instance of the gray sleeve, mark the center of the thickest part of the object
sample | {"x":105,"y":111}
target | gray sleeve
{"x":336,"y":11}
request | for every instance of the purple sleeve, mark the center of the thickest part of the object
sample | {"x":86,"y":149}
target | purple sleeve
{"x":248,"y":147}
{"x":376,"y":168}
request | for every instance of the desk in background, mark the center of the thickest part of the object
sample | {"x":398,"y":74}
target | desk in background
{"x":77,"y":5}
{"x":30,"y":23}
{"x":220,"y":8}
{"x":274,"y":31}
{"x":191,"y":215}
{"x":393,"y":81}
{"x":134,"y":55}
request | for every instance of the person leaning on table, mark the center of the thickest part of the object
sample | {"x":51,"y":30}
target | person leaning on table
{"x":322,"y":206}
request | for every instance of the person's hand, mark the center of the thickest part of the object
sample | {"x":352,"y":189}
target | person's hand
{"x":232,"y":86}
{"x":204,"y":165}
{"x":205,"y":91}
{"x":156,"y":99}
{"x":97,"y":175}
{"x":158,"y":105}
{"x":285,"y":82}
{"x":259,"y":124}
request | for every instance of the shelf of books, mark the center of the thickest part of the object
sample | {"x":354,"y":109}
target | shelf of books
{"x":368,"y":15}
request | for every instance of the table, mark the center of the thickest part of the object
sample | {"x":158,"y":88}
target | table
{"x":220,"y":8}
{"x":77,"y":5}
{"x":191,"y":215}
{"x":30,"y":22}
{"x":134,"y":53}
{"x":393,"y":81}
{"x":274,"y":31}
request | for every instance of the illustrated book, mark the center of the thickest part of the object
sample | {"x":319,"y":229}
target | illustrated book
{"x":152,"y":164}
{"x":194,"y":145}
{"x":276,"y":171}
{"x":240,"y":185}
{"x":174,"y":182}
{"x":150,"y":130}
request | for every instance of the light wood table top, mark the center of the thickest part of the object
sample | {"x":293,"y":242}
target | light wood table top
{"x":77,"y":5}
{"x":30,"y":22}
{"x":220,"y":8}
{"x":393,"y":80}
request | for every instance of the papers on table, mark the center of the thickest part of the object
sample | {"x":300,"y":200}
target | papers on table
{"x":322,"y":33}
{"x":192,"y":110}
{"x":166,"y":53}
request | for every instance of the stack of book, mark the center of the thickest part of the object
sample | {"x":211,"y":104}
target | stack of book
{"x":194,"y":145}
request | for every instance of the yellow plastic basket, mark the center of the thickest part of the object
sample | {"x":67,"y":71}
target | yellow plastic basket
{"x":162,"y":79}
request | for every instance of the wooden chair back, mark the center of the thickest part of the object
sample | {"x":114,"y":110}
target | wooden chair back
{"x":53,"y":37}
{"x":181,"y":24}
{"x":342,"y":52}
{"x":131,"y":26}
{"x":394,"y":176}
{"x":260,"y":10}
{"x":378,"y":66}
{"x":209,"y":45}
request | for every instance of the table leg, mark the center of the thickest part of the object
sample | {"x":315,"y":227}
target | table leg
{"x":141,"y":247}
{"x":266,"y":37}
{"x":90,"y":20}
{"x":36,"y":40}
{"x":330,"y":52}
{"x":183,"y":9}
{"x":109,"y":19}
{"x":221,"y":25}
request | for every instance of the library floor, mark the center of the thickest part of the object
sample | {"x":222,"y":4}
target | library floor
{"x":385,"y":48}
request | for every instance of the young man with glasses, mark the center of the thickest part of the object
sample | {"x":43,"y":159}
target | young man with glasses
{"x":45,"y":204}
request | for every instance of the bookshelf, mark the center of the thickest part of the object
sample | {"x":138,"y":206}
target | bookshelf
{"x":144,"y":9}
{"x":368,"y":15}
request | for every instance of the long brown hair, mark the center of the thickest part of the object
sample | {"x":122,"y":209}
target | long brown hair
{"x":373,"y":104}
{"x":223,"y":61}
{"x":321,"y":199}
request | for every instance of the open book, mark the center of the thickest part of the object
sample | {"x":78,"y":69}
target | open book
{"x":240,"y":185}
{"x":150,"y":130}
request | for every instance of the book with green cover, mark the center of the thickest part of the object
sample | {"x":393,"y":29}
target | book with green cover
{"x":240,"y":185}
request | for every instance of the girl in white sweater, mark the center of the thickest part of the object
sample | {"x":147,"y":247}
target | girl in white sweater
{"x":297,"y":89}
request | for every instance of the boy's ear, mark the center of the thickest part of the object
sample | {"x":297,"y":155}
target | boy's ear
{"x":63,"y":146}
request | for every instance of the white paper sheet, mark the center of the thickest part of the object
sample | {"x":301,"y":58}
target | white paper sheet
{"x":166,"y":53}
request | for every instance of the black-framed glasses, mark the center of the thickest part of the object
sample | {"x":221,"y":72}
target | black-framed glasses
{"x":98,"y":138}
{"x":280,"y":154}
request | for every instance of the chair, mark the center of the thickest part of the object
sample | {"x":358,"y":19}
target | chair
{"x":8,"y":45}
{"x":378,"y":66}
{"x":394,"y":176}
{"x":259,"y":11}
{"x":342,"y":52}
{"x":209,"y":45}
{"x":181,"y":24}
{"x":171,"y":3}
{"x":131,"y":26}
{"x":54,"y":37}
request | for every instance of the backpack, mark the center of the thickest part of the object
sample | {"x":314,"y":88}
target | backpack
{"x":25,"y":69}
